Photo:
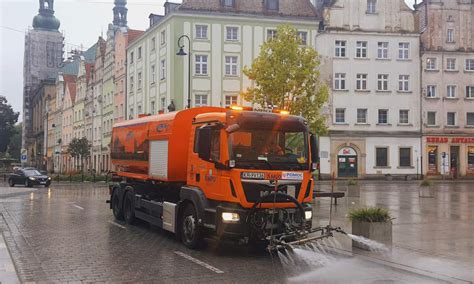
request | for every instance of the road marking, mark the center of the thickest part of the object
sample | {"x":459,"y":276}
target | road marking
{"x":78,"y":207}
{"x":201,"y":263}
{"x":118,"y":225}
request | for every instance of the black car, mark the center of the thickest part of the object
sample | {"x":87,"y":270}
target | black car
{"x":29,"y":177}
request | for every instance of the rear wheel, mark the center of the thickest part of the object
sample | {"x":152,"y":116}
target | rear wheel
{"x":116,"y":208}
{"x":11,"y":183}
{"x":129,"y":208}
{"x":191,"y":232}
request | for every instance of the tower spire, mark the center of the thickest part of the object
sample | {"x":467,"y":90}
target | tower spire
{"x":120,"y":13}
{"x":45,"y":19}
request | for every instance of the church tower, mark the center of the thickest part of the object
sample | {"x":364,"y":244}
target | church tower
{"x":120,"y":13}
{"x":42,"y":59}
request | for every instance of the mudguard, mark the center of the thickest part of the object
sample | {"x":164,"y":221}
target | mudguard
{"x":196,"y":196}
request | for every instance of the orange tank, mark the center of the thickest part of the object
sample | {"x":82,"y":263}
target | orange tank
{"x":165,"y":136}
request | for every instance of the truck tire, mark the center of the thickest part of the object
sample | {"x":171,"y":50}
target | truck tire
{"x":129,"y":208}
{"x":116,"y":208}
{"x":191,"y":232}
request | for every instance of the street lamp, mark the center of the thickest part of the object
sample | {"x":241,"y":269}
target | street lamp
{"x":181,"y":52}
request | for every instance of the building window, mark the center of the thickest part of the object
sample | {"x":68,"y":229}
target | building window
{"x":371,"y":6}
{"x":470,"y":157}
{"x":231,"y":65}
{"x":163,"y":103}
{"x":303,"y":37}
{"x":340,"y":115}
{"x":153,"y":74}
{"x":139,"y":109}
{"x":470,"y":92}
{"x":382,"y":82}
{"x":163,"y":37}
{"x":153,"y":107}
{"x":131,"y":57}
{"x":431,"y":91}
{"x":451,"y":91}
{"x":232,"y":33}
{"x":362,"y":116}
{"x":272,"y":5}
{"x":200,"y":100}
{"x":403,"y":116}
{"x":381,"y":157}
{"x":139,"y":56}
{"x":271,"y":34}
{"x":340,"y":81}
{"x":382,"y":50}
{"x":405,"y":157}
{"x":470,"y":118}
{"x":431,"y":118}
{"x":403,"y":50}
{"x":451,"y":64}
{"x":431,"y":64}
{"x":201,"y":31}
{"x":201,"y":65}
{"x":163,"y":69}
{"x":469,"y":64}
{"x":228,"y":3}
{"x":153,"y":44}
{"x":340,"y":48}
{"x":139,"y":80}
{"x":451,"y":119}
{"x":361,"y":49}
{"x":230,"y":100}
{"x":131,"y":83}
{"x":403,"y":83}
{"x":383,"y":116}
{"x":450,"y":36}
{"x":361,"y":81}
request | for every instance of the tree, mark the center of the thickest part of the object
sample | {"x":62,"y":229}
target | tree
{"x":80,"y":149}
{"x":8,"y":118}
{"x":14,"y":148}
{"x":286,"y":77}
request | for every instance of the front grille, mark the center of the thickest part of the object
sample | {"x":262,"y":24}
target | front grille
{"x":254,"y":191}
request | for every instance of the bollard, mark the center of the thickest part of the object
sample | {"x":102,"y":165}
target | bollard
{"x":93,"y":177}
{"x":107,"y":178}
{"x":82,"y":177}
{"x":70,"y":178}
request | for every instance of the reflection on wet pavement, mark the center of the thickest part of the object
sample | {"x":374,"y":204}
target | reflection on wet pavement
{"x":68,"y":233}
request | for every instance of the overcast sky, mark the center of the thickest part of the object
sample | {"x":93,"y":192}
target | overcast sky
{"x":82,"y":21}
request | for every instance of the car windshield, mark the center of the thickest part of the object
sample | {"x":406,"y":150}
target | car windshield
{"x":269,"y":149}
{"x":29,"y":173}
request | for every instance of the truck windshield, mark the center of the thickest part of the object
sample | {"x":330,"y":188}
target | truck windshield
{"x":269,"y":149}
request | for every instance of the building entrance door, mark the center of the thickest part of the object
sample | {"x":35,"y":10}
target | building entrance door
{"x":454,"y":165}
{"x":347,"y":163}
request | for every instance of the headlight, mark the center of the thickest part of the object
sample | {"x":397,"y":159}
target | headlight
{"x":49,"y":178}
{"x":32,"y":178}
{"x":229,"y":217}
{"x":308,"y":215}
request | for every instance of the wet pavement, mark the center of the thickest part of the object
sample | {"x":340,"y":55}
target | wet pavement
{"x":68,"y":233}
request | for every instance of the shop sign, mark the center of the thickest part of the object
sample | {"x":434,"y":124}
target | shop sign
{"x":347,"y":151}
{"x":457,"y":140}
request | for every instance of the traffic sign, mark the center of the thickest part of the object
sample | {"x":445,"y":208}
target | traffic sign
{"x":24,"y":155}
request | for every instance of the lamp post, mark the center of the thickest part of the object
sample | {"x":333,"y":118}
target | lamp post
{"x":181,"y":52}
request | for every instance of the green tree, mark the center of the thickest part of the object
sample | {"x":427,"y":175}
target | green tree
{"x":14,"y":148}
{"x":286,"y":77}
{"x":8,"y":118}
{"x":80,"y":149}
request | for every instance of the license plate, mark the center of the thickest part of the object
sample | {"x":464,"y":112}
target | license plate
{"x":43,"y":182}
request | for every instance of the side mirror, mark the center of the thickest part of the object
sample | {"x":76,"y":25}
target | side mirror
{"x":314,"y":151}
{"x":204,"y":143}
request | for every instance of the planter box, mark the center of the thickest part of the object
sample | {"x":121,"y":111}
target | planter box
{"x":353,"y":190}
{"x":426,"y":191}
{"x":380,"y":232}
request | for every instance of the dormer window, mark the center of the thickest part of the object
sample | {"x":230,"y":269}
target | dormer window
{"x":272,"y":5}
{"x":228,"y":3}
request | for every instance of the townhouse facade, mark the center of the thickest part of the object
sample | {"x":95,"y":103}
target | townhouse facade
{"x":370,"y":58}
{"x":224,"y":37}
{"x":447,"y":70}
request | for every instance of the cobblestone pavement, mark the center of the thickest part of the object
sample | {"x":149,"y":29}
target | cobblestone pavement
{"x":68,"y":233}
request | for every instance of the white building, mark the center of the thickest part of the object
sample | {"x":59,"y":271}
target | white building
{"x":370,"y":57}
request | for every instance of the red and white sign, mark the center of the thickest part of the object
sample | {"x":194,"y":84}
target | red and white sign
{"x":454,"y":140}
{"x":347,"y":151}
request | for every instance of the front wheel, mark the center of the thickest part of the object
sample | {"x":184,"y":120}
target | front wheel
{"x":11,"y":183}
{"x":191,"y":232}
{"x":129,"y":208}
{"x":27,"y":183}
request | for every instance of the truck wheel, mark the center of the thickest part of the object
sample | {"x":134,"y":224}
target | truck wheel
{"x":129,"y":208}
{"x":191,"y":232}
{"x":116,"y":208}
{"x":11,"y":183}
